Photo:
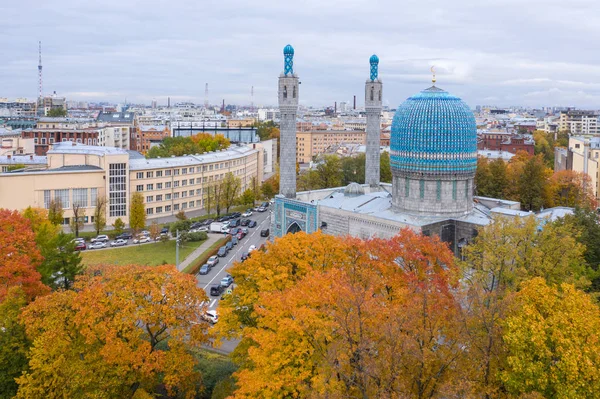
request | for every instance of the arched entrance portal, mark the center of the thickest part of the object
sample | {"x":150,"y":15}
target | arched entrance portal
{"x":294,"y":228}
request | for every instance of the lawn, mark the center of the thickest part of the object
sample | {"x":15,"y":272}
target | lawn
{"x":147,"y":254}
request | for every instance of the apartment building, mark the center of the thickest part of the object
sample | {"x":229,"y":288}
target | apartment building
{"x":582,"y":155}
{"x":315,"y":142}
{"x":146,"y":135}
{"x":579,"y":122}
{"x":76,"y":174}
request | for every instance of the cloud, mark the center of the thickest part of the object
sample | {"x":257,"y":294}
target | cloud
{"x":109,"y":50}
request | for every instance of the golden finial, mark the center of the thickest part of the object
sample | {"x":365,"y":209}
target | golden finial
{"x":433,"y":72}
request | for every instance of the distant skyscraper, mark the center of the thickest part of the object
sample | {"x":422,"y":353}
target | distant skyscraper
{"x":288,"y":109}
{"x":153,"y":103}
{"x":373,"y":88}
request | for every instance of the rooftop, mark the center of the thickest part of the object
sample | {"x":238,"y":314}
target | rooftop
{"x":69,"y":147}
{"x":225,"y":155}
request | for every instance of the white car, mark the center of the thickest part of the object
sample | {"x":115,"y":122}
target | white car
{"x":141,"y":240}
{"x":252,"y":248}
{"x":97,"y":245}
{"x":211,"y":316}
{"x":118,"y":243}
{"x":247,"y":213}
{"x":101,"y":238}
{"x":145,"y":233}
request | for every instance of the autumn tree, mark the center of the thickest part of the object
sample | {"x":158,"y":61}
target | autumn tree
{"x":100,"y":214}
{"x":55,"y":212}
{"x":118,"y":226}
{"x":154,"y":230}
{"x":230,"y":189}
{"x":209,"y":198}
{"x":137,"y":212}
{"x":181,"y":215}
{"x":78,"y":219}
{"x":552,"y":343}
{"x":19,"y":256}
{"x":197,"y":144}
{"x":532,"y":184}
{"x":123,"y":332}
{"x":267,"y":189}
{"x":572,"y":189}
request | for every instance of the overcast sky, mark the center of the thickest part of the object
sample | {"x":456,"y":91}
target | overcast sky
{"x":504,"y":52}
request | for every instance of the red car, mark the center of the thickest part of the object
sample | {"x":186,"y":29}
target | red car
{"x":80,"y":246}
{"x":241,"y":235}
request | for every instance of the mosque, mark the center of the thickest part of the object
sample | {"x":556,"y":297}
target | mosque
{"x":433,"y":160}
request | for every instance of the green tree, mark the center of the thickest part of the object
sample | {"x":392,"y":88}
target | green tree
{"x":57,"y":113}
{"x":230,"y":189}
{"x":100,"y":214}
{"x":483,"y":177}
{"x":330,"y":171}
{"x":498,"y":179}
{"x":137,"y":212}
{"x":77,"y":220}
{"x":55,"y":212}
{"x":118,"y":226}
{"x":267,"y":189}
{"x":15,"y":167}
{"x":62,"y":263}
{"x":255,"y":187}
{"x":385,"y":169}
{"x":353,"y":169}
{"x":14,"y":345}
{"x":247,"y":197}
{"x":532,"y":184}
{"x":179,"y":146}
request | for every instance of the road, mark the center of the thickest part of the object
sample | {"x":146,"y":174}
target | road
{"x":217,"y":273}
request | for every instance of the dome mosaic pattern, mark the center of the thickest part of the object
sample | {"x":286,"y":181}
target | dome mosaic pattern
{"x":434,"y":132}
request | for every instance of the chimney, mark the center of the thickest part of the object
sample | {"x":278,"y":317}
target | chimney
{"x":355,"y":103}
{"x":335,"y":108}
{"x":9,"y":157}
{"x":31,"y":157}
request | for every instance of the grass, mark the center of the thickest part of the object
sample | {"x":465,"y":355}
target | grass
{"x":147,"y":254}
{"x":195,"y":266}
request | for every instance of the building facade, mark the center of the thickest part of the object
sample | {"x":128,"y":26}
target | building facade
{"x":147,"y":135}
{"x":77,"y":174}
{"x":579,"y":122}
{"x":315,"y":142}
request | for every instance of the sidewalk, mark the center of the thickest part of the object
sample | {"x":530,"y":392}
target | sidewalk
{"x":212,"y":238}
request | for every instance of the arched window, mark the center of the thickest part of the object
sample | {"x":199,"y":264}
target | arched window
{"x":372,"y":93}
{"x":379,"y":95}
{"x":284,"y":91}
{"x":294,"y":92}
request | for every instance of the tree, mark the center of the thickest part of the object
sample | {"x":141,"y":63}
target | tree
{"x":100,"y":214}
{"x":385,"y":170}
{"x":209,"y":198}
{"x":56,"y":112}
{"x":14,"y":345}
{"x":267,"y":189}
{"x":330,"y":171}
{"x":483,"y":177}
{"x":255,"y":189}
{"x":532,"y":184}
{"x":124,"y":332}
{"x":552,"y":341}
{"x":230,"y":188}
{"x":572,"y":189}
{"x":181,"y":215}
{"x":19,"y":256}
{"x":78,"y":219}
{"x":305,"y":309}
{"x":218,"y":196}
{"x":119,"y":226}
{"x":137,"y":212}
{"x":179,"y":146}
{"x":247,"y":197}
{"x":498,"y":178}
{"x":55,"y":212}
{"x":154,"y":231}
{"x":62,"y":263}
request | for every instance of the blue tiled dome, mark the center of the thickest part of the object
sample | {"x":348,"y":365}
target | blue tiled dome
{"x":434,"y":132}
{"x":288,"y":50}
{"x":374,"y":59}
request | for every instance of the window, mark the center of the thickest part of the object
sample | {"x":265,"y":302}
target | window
{"x":43,"y":140}
{"x":184,"y":205}
{"x":176,"y":207}
{"x":438,"y":191}
{"x":167,"y":197}
{"x":422,"y":189}
{"x":158,"y":198}
{"x":175,"y":195}
{"x":204,"y":179}
{"x":168,"y":208}
{"x":199,"y":191}
{"x":139,"y":187}
{"x":168,"y":184}
{"x":139,"y":175}
{"x":159,"y":186}
{"x":176,"y":172}
{"x":184,"y":171}
{"x":80,"y":197}
{"x":176,"y":183}
{"x":47,"y":199}
{"x":51,"y":140}
{"x":168,"y":172}
{"x":159,"y":209}
{"x":454,"y":190}
{"x":149,"y":211}
{"x":149,"y":187}
{"x":204,"y":168}
{"x":198,"y":180}
{"x":184,"y":182}
{"x":117,"y":192}
{"x":35,"y":141}
{"x":149,"y":175}
{"x":191,"y":205}
{"x":62,"y":196}
{"x":198,"y":203}
{"x":159,"y":174}
{"x":183,"y":194}
{"x":150,"y":198}
{"x":210,"y":167}
{"x":191,"y":193}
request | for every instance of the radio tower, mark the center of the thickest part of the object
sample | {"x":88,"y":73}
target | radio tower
{"x":40,"y":69}
{"x":252,"y":99}
{"x":206,"y":96}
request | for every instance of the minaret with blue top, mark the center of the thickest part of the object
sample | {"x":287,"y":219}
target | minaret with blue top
{"x":373,"y":92}
{"x":288,"y":109}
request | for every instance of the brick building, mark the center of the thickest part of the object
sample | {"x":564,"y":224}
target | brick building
{"x":505,"y":141}
{"x":146,"y":135}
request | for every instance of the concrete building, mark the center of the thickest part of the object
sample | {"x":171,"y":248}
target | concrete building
{"x":288,"y":95}
{"x":77,"y":174}
{"x":115,"y":136}
{"x":583,"y":155}
{"x":373,"y":93}
{"x":45,"y":104}
{"x":11,"y":143}
{"x":315,"y":142}
{"x":49,"y":131}
{"x":579,"y":122}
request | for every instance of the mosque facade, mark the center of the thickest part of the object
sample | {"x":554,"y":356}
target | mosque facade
{"x":433,"y":160}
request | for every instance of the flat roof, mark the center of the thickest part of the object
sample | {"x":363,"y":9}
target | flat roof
{"x":70,"y":147}
{"x":211,"y":157}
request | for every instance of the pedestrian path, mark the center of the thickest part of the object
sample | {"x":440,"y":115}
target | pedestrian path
{"x":212,"y":238}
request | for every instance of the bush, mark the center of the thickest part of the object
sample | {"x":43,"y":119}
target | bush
{"x":215,"y":368}
{"x":195,"y":267}
{"x":181,"y":225}
{"x":199,"y":236}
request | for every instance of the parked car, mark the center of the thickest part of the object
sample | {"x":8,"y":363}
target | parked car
{"x":265,"y":204}
{"x":216,"y":290}
{"x":234,"y":240}
{"x":227,"y":281}
{"x":229,"y":246}
{"x":141,"y":240}
{"x":207,"y":222}
{"x":255,"y":209}
{"x":248,"y":213}
{"x":124,"y":236}
{"x":80,"y":246}
{"x":195,"y":225}
{"x":244,"y":222}
{"x":234,"y":231}
{"x":101,"y":238}
{"x":145,"y":233}
{"x":261,"y":209}
{"x":118,"y":243}
{"x":234,"y":223}
{"x":164,"y":231}
{"x":212,"y":261}
{"x":244,"y":230}
{"x":235,"y":215}
{"x":252,"y":223}
{"x":222,"y":251}
{"x":204,"y":269}
{"x":211,"y":316}
{"x":97,"y":245}
{"x":264,"y":233}
{"x":245,"y":255}
{"x":252,"y":248}
{"x":240,"y":235}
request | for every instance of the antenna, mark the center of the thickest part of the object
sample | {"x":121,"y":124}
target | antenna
{"x":252,"y":99}
{"x":40,"y":69}
{"x":206,"y":96}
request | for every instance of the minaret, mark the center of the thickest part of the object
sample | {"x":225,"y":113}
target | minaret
{"x":373,"y":88}
{"x":288,"y":108}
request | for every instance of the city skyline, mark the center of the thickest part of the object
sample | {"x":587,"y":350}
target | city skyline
{"x":504,"y":54}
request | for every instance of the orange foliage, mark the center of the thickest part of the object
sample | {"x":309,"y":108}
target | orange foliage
{"x":19,"y":256}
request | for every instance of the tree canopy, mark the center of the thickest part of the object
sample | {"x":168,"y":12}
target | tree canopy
{"x":197,"y":144}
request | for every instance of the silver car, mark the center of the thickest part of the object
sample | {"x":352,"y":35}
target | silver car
{"x":97,"y":245}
